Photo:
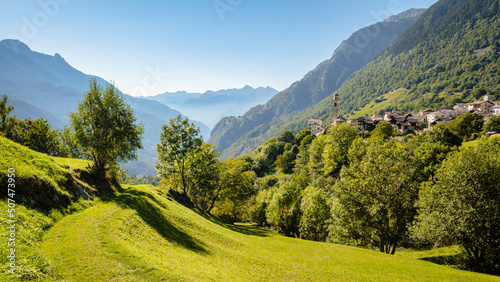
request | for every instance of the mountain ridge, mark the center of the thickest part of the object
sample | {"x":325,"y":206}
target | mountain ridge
{"x":42,"y":85}
{"x":436,"y":70}
{"x":350,"y":56}
{"x":211,"y":106}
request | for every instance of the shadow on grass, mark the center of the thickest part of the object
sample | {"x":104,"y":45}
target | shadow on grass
{"x":448,"y":260}
{"x":144,"y":204}
{"x":252,"y":230}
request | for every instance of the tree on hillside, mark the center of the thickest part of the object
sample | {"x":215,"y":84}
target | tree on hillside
{"x":5,"y":119}
{"x":236,"y":187}
{"x":286,"y":136}
{"x":376,"y":197}
{"x":283,"y":212}
{"x":462,"y":205}
{"x":440,"y":133}
{"x":39,"y":136}
{"x":35,"y":134}
{"x":315,"y":215}
{"x":301,"y":135}
{"x":428,"y":157}
{"x":492,"y":125}
{"x":467,"y":124}
{"x":68,"y":146}
{"x":382,"y":130}
{"x":338,"y":141}
{"x":203,"y":172}
{"x":105,"y":127}
{"x":179,"y":140}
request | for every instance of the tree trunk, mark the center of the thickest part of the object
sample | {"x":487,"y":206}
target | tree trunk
{"x":394,"y":245}
{"x":213,"y":201}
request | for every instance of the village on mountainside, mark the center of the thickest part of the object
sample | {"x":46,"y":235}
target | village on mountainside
{"x":411,"y":123}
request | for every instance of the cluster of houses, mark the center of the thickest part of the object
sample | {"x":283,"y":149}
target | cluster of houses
{"x":412,"y":122}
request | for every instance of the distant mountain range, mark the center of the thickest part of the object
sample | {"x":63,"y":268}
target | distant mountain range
{"x":211,"y":106}
{"x":235,"y":135}
{"x":40,"y":85}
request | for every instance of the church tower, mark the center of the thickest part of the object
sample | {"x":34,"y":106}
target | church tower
{"x":336,"y":108}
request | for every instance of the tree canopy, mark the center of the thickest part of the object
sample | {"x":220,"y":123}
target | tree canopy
{"x":105,"y":127}
{"x":462,"y":205}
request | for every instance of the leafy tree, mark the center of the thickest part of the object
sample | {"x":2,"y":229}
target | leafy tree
{"x":179,"y":140}
{"x":236,"y":188}
{"x":315,"y":215}
{"x":283,"y":212}
{"x":383,"y":130}
{"x":467,"y":124}
{"x":306,"y":141}
{"x":39,"y":136}
{"x":35,"y":134}
{"x":301,"y":135}
{"x":267,"y":154}
{"x":286,"y":136}
{"x":316,"y":162}
{"x":105,"y":127}
{"x":68,"y":146}
{"x":376,"y":197}
{"x":338,"y":142}
{"x":492,"y":125}
{"x":462,"y":205}
{"x":286,"y":161}
{"x":440,"y":133}
{"x":5,"y":119}
{"x":203,"y":177}
{"x":428,"y":158}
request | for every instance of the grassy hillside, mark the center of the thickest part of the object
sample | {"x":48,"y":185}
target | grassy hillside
{"x":386,"y":101}
{"x":140,"y":235}
{"x":46,"y":189}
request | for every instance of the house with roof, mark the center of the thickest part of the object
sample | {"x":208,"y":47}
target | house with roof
{"x":316,"y":126}
{"x":495,"y":110}
{"x":481,"y":107}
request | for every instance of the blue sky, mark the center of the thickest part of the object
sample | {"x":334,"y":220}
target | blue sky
{"x":149,"y":47}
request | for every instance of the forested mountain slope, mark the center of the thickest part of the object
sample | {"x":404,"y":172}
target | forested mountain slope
{"x":354,"y":53}
{"x":451,"y":54}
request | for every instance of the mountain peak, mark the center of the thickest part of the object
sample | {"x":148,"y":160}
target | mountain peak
{"x":15,"y":45}
{"x":406,"y":14}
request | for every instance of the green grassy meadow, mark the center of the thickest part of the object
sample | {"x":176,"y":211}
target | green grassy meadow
{"x":386,"y":100}
{"x":140,"y":234}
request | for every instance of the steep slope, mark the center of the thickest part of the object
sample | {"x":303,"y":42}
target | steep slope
{"x":354,"y":53}
{"x":211,"y":106}
{"x":435,"y":62}
{"x":137,"y":233}
{"x":40,"y":85}
{"x":38,"y":191}
{"x":140,"y":235}
{"x":437,"y":59}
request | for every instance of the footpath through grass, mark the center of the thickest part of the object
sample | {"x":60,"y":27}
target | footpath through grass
{"x":141,"y":235}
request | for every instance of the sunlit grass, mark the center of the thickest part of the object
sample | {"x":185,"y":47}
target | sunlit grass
{"x":372,"y":108}
{"x":140,"y":235}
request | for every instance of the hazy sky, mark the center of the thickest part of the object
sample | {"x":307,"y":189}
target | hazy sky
{"x":149,"y":47}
